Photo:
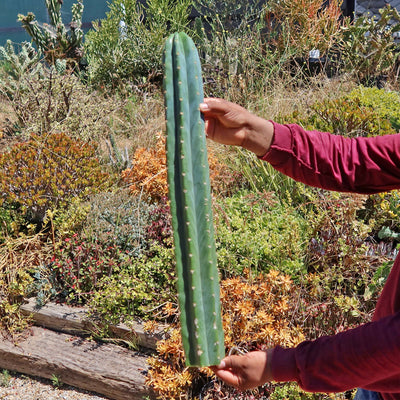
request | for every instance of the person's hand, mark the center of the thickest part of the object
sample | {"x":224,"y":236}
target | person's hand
{"x":230,"y":124}
{"x":246,"y":371}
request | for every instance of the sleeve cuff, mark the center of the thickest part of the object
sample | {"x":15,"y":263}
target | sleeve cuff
{"x":282,"y":141}
{"x":283,"y":365}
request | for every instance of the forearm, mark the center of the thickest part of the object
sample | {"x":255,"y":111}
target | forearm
{"x":367,"y":357}
{"x":362,"y":165}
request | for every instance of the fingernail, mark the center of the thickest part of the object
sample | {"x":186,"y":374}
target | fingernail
{"x":204,"y":106}
{"x":222,"y":364}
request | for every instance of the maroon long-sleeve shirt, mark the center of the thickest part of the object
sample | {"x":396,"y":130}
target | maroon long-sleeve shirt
{"x":369,"y":355}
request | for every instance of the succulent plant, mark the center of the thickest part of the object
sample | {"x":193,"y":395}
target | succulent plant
{"x":57,"y":41}
{"x":190,"y":198}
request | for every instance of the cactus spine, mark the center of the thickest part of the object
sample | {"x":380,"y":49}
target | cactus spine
{"x":190,"y":197}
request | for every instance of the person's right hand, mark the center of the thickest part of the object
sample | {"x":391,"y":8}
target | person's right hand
{"x":230,"y":124}
{"x":246,"y":371}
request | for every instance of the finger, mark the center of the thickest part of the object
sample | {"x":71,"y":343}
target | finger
{"x":214,"y":106}
{"x":209,"y":127}
{"x":228,"y":377}
{"x":231,"y":362}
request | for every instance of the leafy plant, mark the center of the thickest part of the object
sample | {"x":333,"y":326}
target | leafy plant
{"x":124,"y":50}
{"x":79,"y":264}
{"x":55,"y":41}
{"x":147,"y":176}
{"x":341,"y":287}
{"x":362,"y":112}
{"x":136,"y":288}
{"x":5,"y":378}
{"x":18,"y":257}
{"x":56,"y":381}
{"x":47,"y":171}
{"x":255,"y":231}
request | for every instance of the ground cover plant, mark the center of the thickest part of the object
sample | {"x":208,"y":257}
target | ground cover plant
{"x":84,"y":216}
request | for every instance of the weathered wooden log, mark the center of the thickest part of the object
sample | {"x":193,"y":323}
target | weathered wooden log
{"x":107,"y":369}
{"x":74,"y":320}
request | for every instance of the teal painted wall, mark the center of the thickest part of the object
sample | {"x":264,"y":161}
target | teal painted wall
{"x":11,"y":29}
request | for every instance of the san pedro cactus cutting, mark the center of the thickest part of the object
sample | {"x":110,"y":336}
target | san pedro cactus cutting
{"x":190,"y":198}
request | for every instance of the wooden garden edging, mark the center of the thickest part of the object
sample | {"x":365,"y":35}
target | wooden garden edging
{"x":106,"y":369}
{"x":73,"y":320}
{"x":55,"y":347}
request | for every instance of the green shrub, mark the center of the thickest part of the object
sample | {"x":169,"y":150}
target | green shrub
{"x":136,"y":289}
{"x":385,"y":103}
{"x":47,"y":171}
{"x":125,"y":49}
{"x":254,"y":231}
{"x":341,"y":287}
{"x":363,"y":112}
{"x":15,"y":64}
{"x":79,"y":264}
{"x":11,"y":220}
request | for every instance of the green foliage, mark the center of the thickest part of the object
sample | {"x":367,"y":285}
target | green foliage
{"x":125,"y":49}
{"x":257,"y":232}
{"x":385,"y":103}
{"x":136,"y":289}
{"x":382,"y":213}
{"x":18,"y":257}
{"x":260,"y":177}
{"x":15,"y":64}
{"x":363,"y":112}
{"x":5,"y":378}
{"x":291,"y":391}
{"x":343,"y":282}
{"x":368,"y":48}
{"x":47,"y":171}
{"x":56,"y":381}
{"x":10,"y":220}
{"x":120,"y":219}
{"x":79,"y":264}
{"x":55,"y":41}
{"x":235,"y":59}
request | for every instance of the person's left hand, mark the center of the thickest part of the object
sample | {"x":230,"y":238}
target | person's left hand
{"x":246,"y":371}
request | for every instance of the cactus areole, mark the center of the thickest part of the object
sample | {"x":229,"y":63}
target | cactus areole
{"x":190,"y":198}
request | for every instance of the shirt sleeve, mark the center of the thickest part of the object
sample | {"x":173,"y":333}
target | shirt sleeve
{"x":333,"y":162}
{"x":367,"y":356}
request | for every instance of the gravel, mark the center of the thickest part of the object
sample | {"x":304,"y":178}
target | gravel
{"x":14,"y":386}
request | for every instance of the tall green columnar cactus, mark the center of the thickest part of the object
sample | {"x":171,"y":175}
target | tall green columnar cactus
{"x":190,"y":198}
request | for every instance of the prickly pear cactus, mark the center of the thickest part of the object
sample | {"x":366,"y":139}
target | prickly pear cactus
{"x":190,"y":197}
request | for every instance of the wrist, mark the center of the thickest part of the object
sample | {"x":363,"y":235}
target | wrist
{"x":258,"y":137}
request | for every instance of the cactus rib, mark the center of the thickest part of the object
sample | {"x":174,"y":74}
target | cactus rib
{"x":190,"y":198}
